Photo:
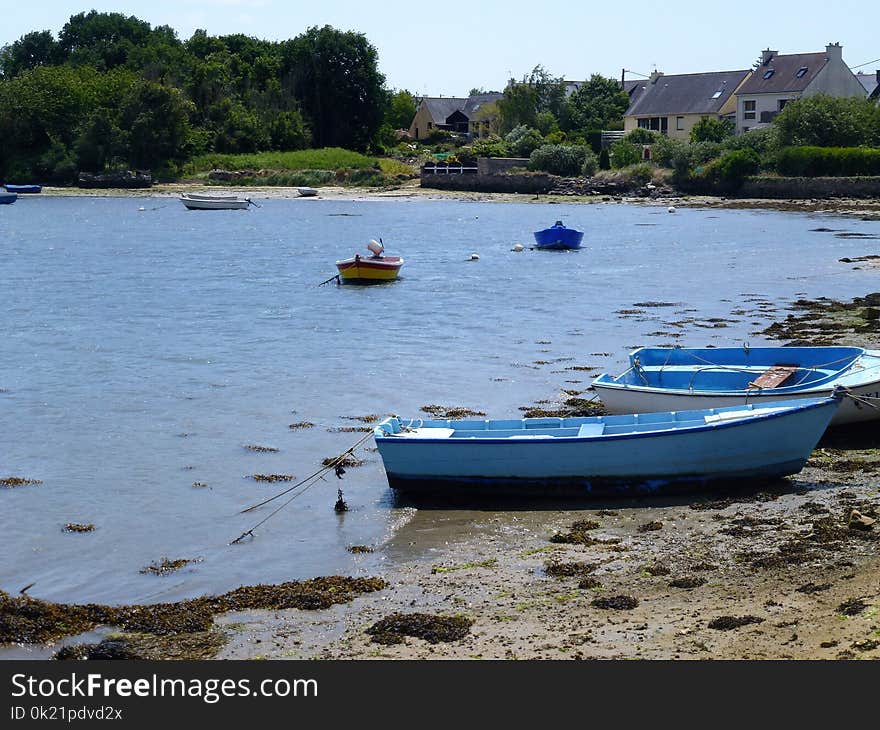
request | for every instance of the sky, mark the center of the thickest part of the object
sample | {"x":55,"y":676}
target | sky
{"x":438,"y":47}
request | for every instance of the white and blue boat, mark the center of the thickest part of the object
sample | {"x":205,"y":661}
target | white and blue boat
{"x":23,"y":189}
{"x":558,"y":237}
{"x":602,"y":455}
{"x":663,"y":379}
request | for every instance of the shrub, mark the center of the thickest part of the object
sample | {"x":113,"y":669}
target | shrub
{"x":624,"y":154}
{"x":642,"y":136}
{"x":489,"y":147}
{"x":712,"y":130}
{"x":558,"y":159}
{"x":604,"y":160}
{"x":666,"y":152}
{"x":523,"y":140}
{"x":591,"y":163}
{"x":764,"y":142}
{"x":827,"y":121}
{"x":734,"y":166}
{"x":641,"y":174}
{"x":828,"y":161}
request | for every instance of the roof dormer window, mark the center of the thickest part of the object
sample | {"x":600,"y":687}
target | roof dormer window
{"x":768,"y":73}
{"x":717,"y":94}
{"x":801,"y":71}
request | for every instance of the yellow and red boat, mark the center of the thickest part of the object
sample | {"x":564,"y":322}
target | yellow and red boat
{"x":371,"y":269}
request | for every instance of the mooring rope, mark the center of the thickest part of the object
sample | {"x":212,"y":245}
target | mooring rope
{"x":309,"y":482}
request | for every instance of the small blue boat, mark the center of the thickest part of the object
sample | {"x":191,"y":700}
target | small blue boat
{"x":559,"y":237}
{"x":6,"y":198}
{"x":23,"y":189}
{"x":664,"y":379}
{"x":602,"y":455}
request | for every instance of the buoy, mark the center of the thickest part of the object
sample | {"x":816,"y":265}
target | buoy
{"x":517,"y":247}
{"x":670,"y":209}
{"x":142,"y":208}
{"x":474,"y":257}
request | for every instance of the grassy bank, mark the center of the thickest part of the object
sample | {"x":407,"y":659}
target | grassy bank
{"x":328,"y":166}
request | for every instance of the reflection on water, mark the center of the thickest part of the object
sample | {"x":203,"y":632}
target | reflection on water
{"x":144,"y":350}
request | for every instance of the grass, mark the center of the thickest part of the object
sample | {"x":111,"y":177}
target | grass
{"x":328,"y":158}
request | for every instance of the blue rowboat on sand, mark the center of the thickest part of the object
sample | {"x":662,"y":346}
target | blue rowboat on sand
{"x":602,"y":455}
{"x":6,"y":198}
{"x":664,"y":379}
{"x":23,"y":189}
{"x":558,"y":237}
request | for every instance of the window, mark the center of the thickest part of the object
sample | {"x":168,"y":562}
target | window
{"x":430,"y":125}
{"x":679,"y":123}
{"x":780,"y":105}
{"x":749,"y":109}
{"x":768,"y":73}
{"x":657,"y":124}
{"x":801,"y":71}
{"x":717,"y":94}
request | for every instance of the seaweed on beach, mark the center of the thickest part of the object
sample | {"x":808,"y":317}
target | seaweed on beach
{"x":151,"y":647}
{"x":569,"y":570}
{"x":652,"y":526}
{"x":578,"y":534}
{"x":728,"y":623}
{"x":32,"y":621}
{"x":434,"y":629}
{"x":356,"y":549}
{"x":616,"y":603}
{"x":347,"y":461}
{"x":273,"y":478}
{"x":852,"y":607}
{"x":299,"y":425}
{"x":656,"y":569}
{"x":589,"y":582}
{"x":688,"y":581}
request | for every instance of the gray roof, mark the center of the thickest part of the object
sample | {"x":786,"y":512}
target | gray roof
{"x":869,"y":81}
{"x":702,"y":93}
{"x":443,"y":107}
{"x":785,"y":73}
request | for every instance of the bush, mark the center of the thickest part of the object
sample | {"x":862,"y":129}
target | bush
{"x":489,"y":147}
{"x":624,"y":154}
{"x":736,"y":165}
{"x":666,"y":152}
{"x":828,"y":121}
{"x":591,"y":163}
{"x":712,"y":130}
{"x":523,"y":140}
{"x":558,"y":159}
{"x":764,"y":142}
{"x":828,"y":161}
{"x":642,"y":136}
{"x":604,"y":160}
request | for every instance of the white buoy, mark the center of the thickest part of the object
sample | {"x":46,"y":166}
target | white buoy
{"x":474,"y":257}
{"x":517,"y":247}
{"x":141,"y":208}
{"x":670,"y":209}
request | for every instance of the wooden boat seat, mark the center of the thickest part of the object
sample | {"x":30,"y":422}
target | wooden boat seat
{"x":774,"y":377}
{"x":591,"y":429}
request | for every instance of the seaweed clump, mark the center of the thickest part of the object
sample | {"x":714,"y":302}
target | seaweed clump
{"x":355,"y":549}
{"x":10,"y":482}
{"x":570,"y":570}
{"x":272,"y":478}
{"x":450,"y":412}
{"x":727,"y":623}
{"x":166,"y":566}
{"x":617,"y":603}
{"x":393,"y":628}
{"x":78,"y":527}
{"x":196,"y":645}
{"x":650,"y":526}
{"x":852,"y":607}
{"x":577,"y":533}
{"x":31,"y":621}
{"x":688,"y":581}
{"x":261,"y":449}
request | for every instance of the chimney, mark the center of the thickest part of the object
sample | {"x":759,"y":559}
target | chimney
{"x":878,"y":76}
{"x":767,"y":55}
{"x":834,"y":51}
{"x":655,"y":74}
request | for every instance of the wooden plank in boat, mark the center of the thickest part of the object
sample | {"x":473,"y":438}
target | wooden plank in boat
{"x":774,"y":377}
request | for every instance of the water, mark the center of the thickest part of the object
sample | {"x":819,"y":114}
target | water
{"x":141,"y":350}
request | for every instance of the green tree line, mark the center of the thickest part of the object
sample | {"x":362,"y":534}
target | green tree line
{"x":113,"y":92}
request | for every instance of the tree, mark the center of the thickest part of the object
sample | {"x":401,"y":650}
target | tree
{"x":102,"y":40}
{"x":625,"y":153}
{"x":156,"y":118}
{"x":523,"y":101}
{"x":712,"y":130}
{"x":30,"y":51}
{"x":523,"y":140}
{"x":400,"y":110}
{"x":829,"y":121}
{"x":336,"y":77}
{"x":599,"y":103}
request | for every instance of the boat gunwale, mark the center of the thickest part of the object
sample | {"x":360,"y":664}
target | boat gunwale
{"x":785,"y":411}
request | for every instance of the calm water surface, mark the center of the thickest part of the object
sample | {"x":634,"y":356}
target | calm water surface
{"x":141,"y":350}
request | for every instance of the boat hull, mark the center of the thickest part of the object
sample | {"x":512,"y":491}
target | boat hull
{"x":7,"y":198}
{"x":216,"y":203}
{"x":559,"y":238}
{"x":23,"y":189}
{"x":679,"y":458}
{"x":369,"y":270}
{"x":659,"y":381}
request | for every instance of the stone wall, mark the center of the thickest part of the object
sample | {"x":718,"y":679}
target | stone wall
{"x":536,"y":182}
{"x":810,"y":187}
{"x":497,"y":165}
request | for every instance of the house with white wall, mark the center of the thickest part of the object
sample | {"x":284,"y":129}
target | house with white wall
{"x":779,"y":79}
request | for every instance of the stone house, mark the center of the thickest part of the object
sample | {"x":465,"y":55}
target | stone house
{"x":779,"y":79}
